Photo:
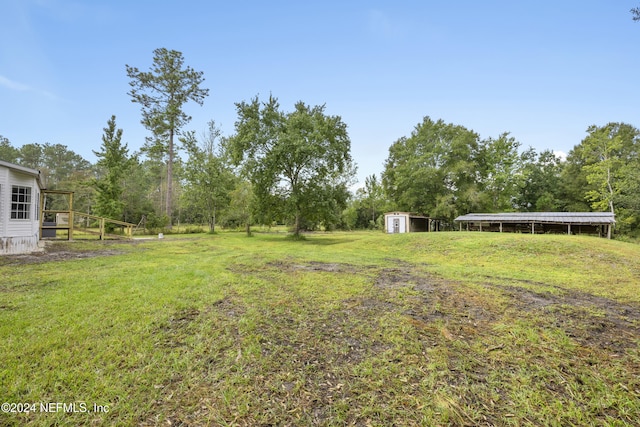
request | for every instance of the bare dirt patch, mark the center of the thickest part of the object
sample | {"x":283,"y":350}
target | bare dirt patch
{"x":591,"y":320}
{"x":65,"y":251}
{"x":330,"y":267}
{"x":437,"y":299}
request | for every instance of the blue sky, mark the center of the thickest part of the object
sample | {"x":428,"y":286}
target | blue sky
{"x":543,"y":71}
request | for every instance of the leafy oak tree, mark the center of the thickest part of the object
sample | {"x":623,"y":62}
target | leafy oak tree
{"x":434,"y":171}
{"x":540,"y":185}
{"x":299,"y":163}
{"x":162,"y":93}
{"x":501,"y":172}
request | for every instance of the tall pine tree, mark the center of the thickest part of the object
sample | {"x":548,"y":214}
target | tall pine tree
{"x":162,"y":93}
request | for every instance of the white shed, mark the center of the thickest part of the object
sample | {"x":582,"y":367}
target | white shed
{"x":405,"y":222}
{"x":396,"y":222}
{"x":19,"y":208}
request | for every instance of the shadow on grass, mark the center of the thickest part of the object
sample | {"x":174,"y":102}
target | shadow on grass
{"x":304,"y":239}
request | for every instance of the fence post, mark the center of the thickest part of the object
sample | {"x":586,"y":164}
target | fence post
{"x":101,"y":228}
{"x":71,"y":220}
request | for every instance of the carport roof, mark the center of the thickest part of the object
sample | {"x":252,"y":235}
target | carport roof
{"x":541,"y":217}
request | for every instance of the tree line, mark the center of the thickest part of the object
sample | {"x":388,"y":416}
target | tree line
{"x":295,"y":167}
{"x":447,"y":170}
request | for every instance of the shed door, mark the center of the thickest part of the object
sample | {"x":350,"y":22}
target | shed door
{"x":396,"y":225}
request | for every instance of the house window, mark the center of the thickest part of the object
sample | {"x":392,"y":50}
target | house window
{"x":20,"y":202}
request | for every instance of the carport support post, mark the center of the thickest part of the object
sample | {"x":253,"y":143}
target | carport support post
{"x":533,"y":228}
{"x":608,"y":231}
{"x":569,"y":229}
{"x":501,"y":227}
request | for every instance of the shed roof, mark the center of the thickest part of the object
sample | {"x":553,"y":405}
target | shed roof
{"x":409,"y":214}
{"x":542,"y":217}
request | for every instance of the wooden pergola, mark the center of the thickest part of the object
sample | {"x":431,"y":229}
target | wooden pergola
{"x":600,"y":223}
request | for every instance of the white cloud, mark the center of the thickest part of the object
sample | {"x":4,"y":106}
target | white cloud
{"x":21,"y":87}
{"x":13,"y":85}
{"x":560,"y":155}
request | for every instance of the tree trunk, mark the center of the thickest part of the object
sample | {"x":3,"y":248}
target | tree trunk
{"x":609,"y":187}
{"x":296,"y":227}
{"x":170,"y":179}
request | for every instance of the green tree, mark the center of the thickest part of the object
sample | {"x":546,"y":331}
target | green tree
{"x":8,"y":152}
{"x":299,"y":163}
{"x":573,"y":183}
{"x":242,"y":205}
{"x":209,"y":178}
{"x":32,"y":156}
{"x":540,"y":187}
{"x":366,"y":206}
{"x":602,"y":151}
{"x":61,"y":169}
{"x":374,"y":196}
{"x":139,"y":189}
{"x":610,"y":156}
{"x":155,"y":178}
{"x":56,"y":162}
{"x":162,"y":93}
{"x":61,"y":163}
{"x":434,"y":171}
{"x":114,"y":164}
{"x":501,"y":172}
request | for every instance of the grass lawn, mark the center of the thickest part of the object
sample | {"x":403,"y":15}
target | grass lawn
{"x":338,"y":329}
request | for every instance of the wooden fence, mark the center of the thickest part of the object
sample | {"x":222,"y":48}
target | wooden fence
{"x":52,"y":220}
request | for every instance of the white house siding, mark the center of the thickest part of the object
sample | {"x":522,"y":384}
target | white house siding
{"x":18,"y":245}
{"x":4,"y":213}
{"x":18,"y":235}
